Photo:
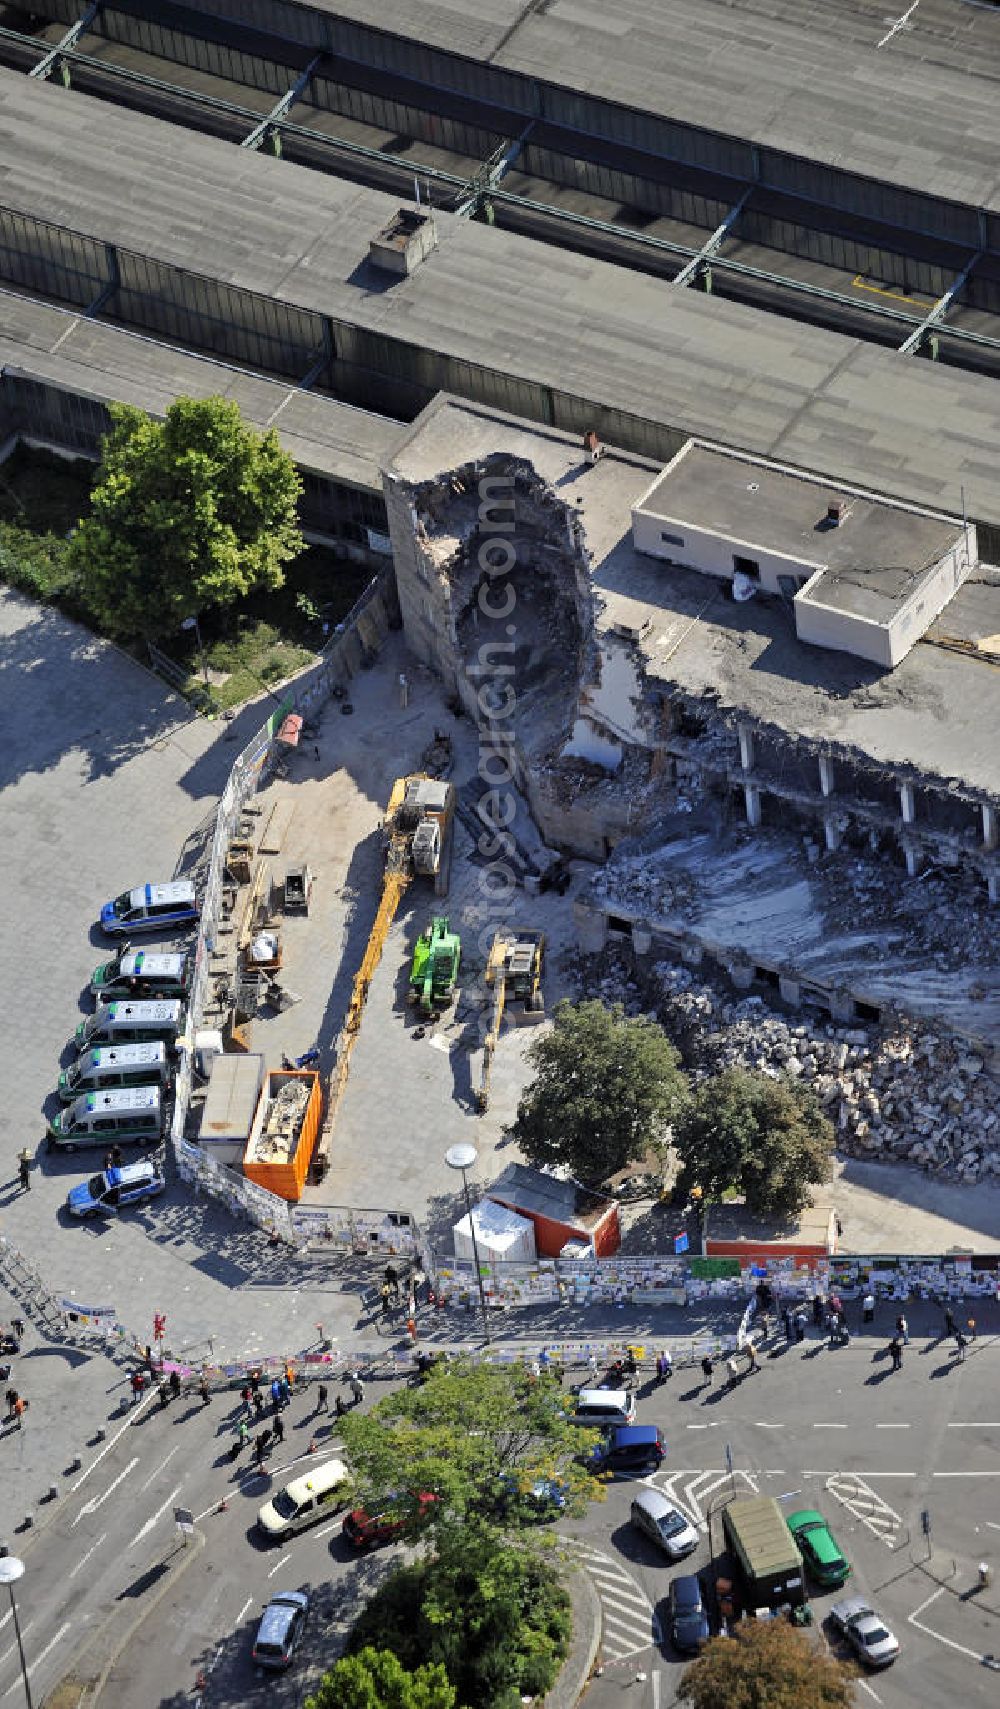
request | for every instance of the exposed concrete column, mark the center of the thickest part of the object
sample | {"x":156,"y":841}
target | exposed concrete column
{"x":752,"y":794}
{"x":832,"y":828}
{"x":591,"y":928}
{"x":789,"y":990}
{"x":746,"y":747}
{"x":826,"y":777}
{"x":742,"y":975}
{"x":993,"y":886}
{"x":908,"y":802}
{"x":991,"y":826}
{"x":913,"y":859}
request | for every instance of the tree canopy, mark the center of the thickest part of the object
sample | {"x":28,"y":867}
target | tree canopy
{"x":766,"y":1665}
{"x":606,"y":1088}
{"x":768,"y":1139}
{"x":478,"y":1436}
{"x":376,"y":1679}
{"x":187,"y":513}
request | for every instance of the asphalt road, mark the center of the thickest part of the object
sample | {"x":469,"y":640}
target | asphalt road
{"x":835,"y":1430}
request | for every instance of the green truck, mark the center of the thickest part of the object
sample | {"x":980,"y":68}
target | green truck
{"x":434,"y":969}
{"x":764,"y":1553}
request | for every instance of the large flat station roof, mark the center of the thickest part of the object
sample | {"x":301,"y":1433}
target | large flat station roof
{"x":585,"y":327}
{"x":804,"y":76}
{"x":91,"y":359}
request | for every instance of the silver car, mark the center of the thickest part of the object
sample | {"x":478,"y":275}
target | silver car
{"x":867,"y":1634}
{"x":664,"y":1525}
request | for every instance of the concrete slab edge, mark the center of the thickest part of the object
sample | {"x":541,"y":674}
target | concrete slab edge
{"x":576,"y":1670}
{"x":93,"y":1676}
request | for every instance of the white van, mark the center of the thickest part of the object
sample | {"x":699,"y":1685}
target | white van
{"x":131,"y":1023}
{"x":304,"y":1501}
{"x":116,"y":1065}
{"x":128,"y":1116}
{"x":598,"y":1409}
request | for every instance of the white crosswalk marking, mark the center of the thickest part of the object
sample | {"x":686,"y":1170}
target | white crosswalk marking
{"x":629,"y":1620}
{"x":865,"y":1505}
{"x":690,"y":1492}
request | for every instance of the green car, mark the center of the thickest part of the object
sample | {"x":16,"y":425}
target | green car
{"x":824,"y":1561}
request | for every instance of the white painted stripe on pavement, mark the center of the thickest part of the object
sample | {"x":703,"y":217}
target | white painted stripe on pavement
{"x":620,"y":1603}
{"x":817,"y":1426}
{"x":762,"y":1424}
{"x":24,"y":1633}
{"x":965,"y":1474}
{"x":952,"y":1645}
{"x":324,"y":1530}
{"x":132,"y":1418}
{"x":247,"y":1604}
{"x":90,"y":1551}
{"x":870,"y":1690}
{"x":147,"y":1528}
{"x":161,"y":1467}
{"x":891,"y":1427}
{"x":279,"y":1564}
{"x":977,"y":1424}
{"x":98,"y":1501}
{"x":18,"y":1684}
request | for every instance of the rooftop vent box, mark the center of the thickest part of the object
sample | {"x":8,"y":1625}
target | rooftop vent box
{"x":836,"y":512}
{"x":402,"y":244}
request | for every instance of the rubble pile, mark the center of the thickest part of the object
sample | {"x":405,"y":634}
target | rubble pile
{"x":909,"y":1093}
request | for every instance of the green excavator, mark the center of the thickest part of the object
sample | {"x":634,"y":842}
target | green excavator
{"x":434,"y":969}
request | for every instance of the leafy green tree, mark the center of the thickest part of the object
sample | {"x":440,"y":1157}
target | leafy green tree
{"x":479,"y":1437}
{"x":493,"y":1614}
{"x":187,"y":513}
{"x":768,"y":1139}
{"x":606,"y":1088}
{"x":375,"y":1679}
{"x":770,"y":1665}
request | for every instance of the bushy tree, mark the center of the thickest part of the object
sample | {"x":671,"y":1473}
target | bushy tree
{"x":494,"y":1615}
{"x":768,"y":1139}
{"x":477,"y":1436}
{"x":606,"y":1088}
{"x":766,"y":1665}
{"x":187,"y":513}
{"x":376,"y":1679}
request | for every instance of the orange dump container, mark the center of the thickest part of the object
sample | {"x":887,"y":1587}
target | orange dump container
{"x":284,"y":1132}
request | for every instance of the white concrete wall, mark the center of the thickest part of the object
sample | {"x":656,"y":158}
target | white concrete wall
{"x":949,"y":574}
{"x":823,"y":626}
{"x":712,"y":553}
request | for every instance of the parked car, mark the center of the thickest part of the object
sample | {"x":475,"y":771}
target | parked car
{"x":867,"y":1634}
{"x":652,"y":1514}
{"x":304,"y":1501}
{"x":543,"y":1498}
{"x":824,"y":1559}
{"x":113,"y":1189}
{"x":400,"y":1512}
{"x":689,"y":1627}
{"x":628,"y":1448}
{"x":281,"y":1627}
{"x":138,"y":973}
{"x":151,"y":908}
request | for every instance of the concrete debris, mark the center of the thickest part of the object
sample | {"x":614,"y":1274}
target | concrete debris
{"x":906,"y":1094}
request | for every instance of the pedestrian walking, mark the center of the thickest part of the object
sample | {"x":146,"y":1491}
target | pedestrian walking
{"x":204,"y":1391}
{"x":322,"y":1398}
{"x":357,"y":1389}
{"x":138,"y":1382}
{"x":949,"y":1321}
{"x":17,"y":1327}
{"x":175,"y":1384}
{"x":117,"y":1159}
{"x":386,"y":1299}
{"x":258,"y":1404}
{"x":246,"y":1396}
{"x":800,"y":1326}
{"x":754,"y":1361}
{"x":970,"y":1329}
{"x":818,"y":1310}
{"x":707,"y":1368}
{"x":786,"y":1318}
{"x":19,"y":1406}
{"x":279,"y":1430}
{"x":24,"y":1170}
{"x":11,"y":1402}
{"x":338,"y":1401}
{"x":276,"y":1394}
{"x":592,"y":1364}
{"x":664,"y":1366}
{"x":260,"y":1446}
{"x":288,"y":1376}
{"x":960,"y":1344}
{"x":411,"y":1329}
{"x":243,"y":1433}
{"x":164,"y":1394}
{"x":391,"y":1280}
{"x":733,"y":1370}
{"x":896,"y":1353}
{"x":629,"y":1365}
{"x":868,"y":1307}
{"x":902,"y":1329}
{"x":286,"y":1391}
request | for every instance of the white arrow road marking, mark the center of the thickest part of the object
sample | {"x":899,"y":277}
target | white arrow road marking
{"x":931,"y":1632}
{"x":862,"y":1502}
{"x":98,"y":1501}
{"x":147,"y":1528}
{"x":18,"y":1684}
{"x":90,"y":1551}
{"x":629,"y":1621}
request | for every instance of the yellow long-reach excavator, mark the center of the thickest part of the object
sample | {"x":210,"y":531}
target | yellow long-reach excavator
{"x":514,"y":970}
{"x":415,"y":833}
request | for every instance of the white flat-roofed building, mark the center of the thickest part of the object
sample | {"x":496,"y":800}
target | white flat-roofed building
{"x":865,"y":574}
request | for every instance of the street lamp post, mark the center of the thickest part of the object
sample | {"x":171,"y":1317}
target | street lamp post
{"x":462,"y":1157}
{"x":11,"y":1569}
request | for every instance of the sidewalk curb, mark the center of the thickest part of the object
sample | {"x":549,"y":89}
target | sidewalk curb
{"x":574,"y":1676}
{"x":92,"y":1680}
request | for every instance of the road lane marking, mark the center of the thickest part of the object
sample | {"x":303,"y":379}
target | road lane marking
{"x":92,"y":1506}
{"x":890,"y":1427}
{"x":828,"y":1426}
{"x":279,"y":1564}
{"x":147,"y":1528}
{"x":965,"y":1474}
{"x":108,"y":1446}
{"x":90,"y":1551}
{"x":18,"y":1684}
{"x":160,"y":1468}
{"x":247,"y":1604}
{"x":977,"y":1424}
{"x":870,"y":1690}
{"x":762,"y":1424}
{"x":952,"y":1645}
{"x":326,"y":1529}
{"x":24,"y":1633}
